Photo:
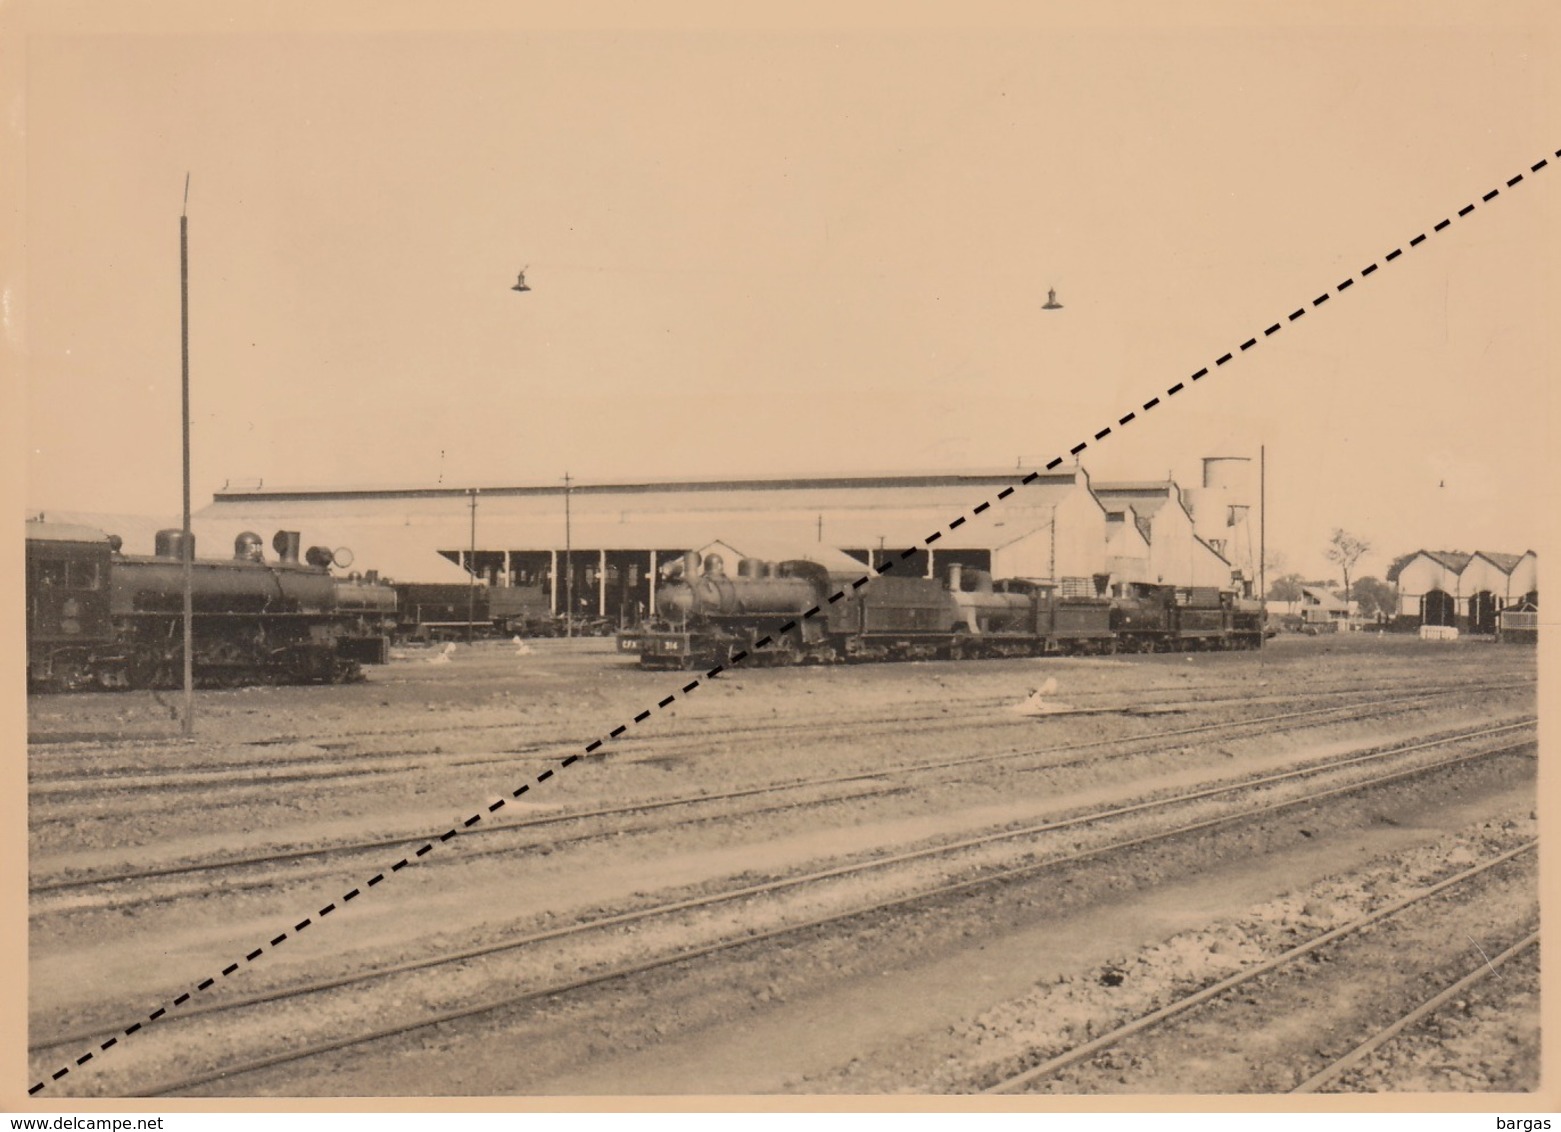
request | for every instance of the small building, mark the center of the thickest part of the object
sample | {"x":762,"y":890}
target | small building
{"x":1322,"y":612}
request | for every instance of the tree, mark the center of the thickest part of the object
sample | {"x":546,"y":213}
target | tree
{"x":1287,"y":588}
{"x":1344,"y":550}
{"x":1377,"y":598}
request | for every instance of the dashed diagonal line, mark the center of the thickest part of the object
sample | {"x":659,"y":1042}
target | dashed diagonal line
{"x":768,"y":641}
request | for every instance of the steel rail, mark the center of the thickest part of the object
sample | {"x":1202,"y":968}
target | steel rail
{"x":1139,"y":708}
{"x":950,"y":888}
{"x":1344,"y":1064}
{"x":1364,"y":710}
{"x":779,"y":932}
{"x":1214,"y":990}
{"x":768,"y":887}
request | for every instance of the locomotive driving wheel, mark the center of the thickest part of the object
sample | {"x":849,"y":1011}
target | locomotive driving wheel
{"x":145,"y":667}
{"x":227,"y":664}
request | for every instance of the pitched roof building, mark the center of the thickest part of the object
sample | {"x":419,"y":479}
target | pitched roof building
{"x":1441,"y":587}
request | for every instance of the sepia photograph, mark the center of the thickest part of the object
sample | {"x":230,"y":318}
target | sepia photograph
{"x":835,"y":556}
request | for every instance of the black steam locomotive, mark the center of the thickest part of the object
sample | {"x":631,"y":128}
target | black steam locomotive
{"x":449,"y":611}
{"x":798,"y":612}
{"x":100,"y":618}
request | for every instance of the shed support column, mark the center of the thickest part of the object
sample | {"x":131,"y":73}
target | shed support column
{"x":506,"y":569}
{"x":650,"y":584}
{"x":930,"y":574}
{"x":552,"y":582}
{"x":601,"y":583}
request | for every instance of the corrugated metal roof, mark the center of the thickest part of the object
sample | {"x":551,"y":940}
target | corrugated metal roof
{"x":1136,"y":486}
{"x":854,"y":516}
{"x":967,"y":477}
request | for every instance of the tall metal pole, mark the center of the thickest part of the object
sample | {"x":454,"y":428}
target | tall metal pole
{"x":187,"y":550}
{"x":569,"y":568}
{"x":471,"y":570}
{"x":1262,"y":526}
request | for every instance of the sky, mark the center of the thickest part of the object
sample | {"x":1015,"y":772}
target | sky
{"x":822,"y":246}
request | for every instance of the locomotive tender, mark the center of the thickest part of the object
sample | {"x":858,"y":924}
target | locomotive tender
{"x":435,"y":611}
{"x":804,"y":613}
{"x":97,"y":617}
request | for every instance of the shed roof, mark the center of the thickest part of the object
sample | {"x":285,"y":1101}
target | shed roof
{"x":1454,"y":560}
{"x":1506,"y":563}
{"x":1323,"y":599}
{"x":850,"y":514}
{"x":1144,"y":497}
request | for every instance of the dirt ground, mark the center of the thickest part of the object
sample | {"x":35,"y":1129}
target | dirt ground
{"x":433,"y":739}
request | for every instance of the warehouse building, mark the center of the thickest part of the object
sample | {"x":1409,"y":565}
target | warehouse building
{"x":601,"y":544}
{"x":1467,"y":591}
{"x":596,"y":548}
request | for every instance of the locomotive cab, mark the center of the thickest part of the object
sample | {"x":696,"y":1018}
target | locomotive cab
{"x":67,"y":601}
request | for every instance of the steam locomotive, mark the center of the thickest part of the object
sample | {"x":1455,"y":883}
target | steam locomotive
{"x":798,"y":612}
{"x":100,"y":618}
{"x":447,"y":611}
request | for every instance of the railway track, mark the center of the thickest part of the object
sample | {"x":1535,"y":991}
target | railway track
{"x":1264,"y":796}
{"x":49,"y":781}
{"x":1084,"y":1052}
{"x":504,"y":835}
{"x":1339,"y":1067}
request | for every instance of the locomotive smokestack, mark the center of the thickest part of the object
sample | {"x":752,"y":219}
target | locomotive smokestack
{"x":956,"y":577}
{"x":286,"y":544}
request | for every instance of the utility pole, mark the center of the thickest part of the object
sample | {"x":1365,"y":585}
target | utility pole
{"x":1262,"y":527}
{"x":569,"y":567}
{"x":471,"y":570}
{"x":187,"y":542}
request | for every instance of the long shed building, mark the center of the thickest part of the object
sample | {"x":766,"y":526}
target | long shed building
{"x":603,"y":543}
